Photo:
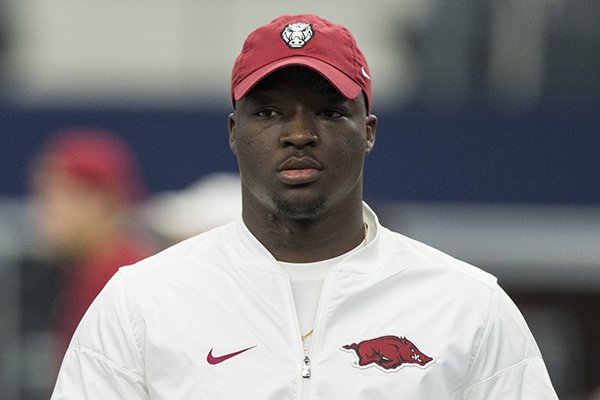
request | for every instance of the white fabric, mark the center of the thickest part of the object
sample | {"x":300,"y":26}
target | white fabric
{"x":148,"y":333}
{"x":307,"y":279}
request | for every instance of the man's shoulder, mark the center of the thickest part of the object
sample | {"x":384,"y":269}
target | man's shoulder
{"x":422,"y":258}
{"x":194,"y":252}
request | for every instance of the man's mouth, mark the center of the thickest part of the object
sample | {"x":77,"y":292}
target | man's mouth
{"x":299,"y":171}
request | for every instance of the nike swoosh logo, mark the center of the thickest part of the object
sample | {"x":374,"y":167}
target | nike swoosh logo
{"x":364,"y":72}
{"x":212,"y":360}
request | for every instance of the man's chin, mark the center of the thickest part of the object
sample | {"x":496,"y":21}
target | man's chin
{"x":300,"y":209}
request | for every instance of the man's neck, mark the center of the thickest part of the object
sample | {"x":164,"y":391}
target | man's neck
{"x":308,"y":240}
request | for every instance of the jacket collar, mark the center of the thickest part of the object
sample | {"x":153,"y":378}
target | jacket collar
{"x":366,"y":260}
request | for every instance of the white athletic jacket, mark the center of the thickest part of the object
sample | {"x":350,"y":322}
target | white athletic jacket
{"x":213,"y":318}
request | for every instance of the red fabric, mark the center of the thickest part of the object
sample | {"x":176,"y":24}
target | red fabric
{"x":97,"y":157}
{"x":79,"y":284}
{"x":328,"y":48}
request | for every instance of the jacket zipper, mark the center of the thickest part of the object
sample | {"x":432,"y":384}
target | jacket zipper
{"x":306,"y":373}
{"x":305,"y":359}
{"x":309,"y":351}
{"x":306,"y":354}
{"x":306,"y":366}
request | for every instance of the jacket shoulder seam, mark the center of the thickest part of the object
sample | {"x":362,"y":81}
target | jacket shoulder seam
{"x":130,"y":323}
{"x":103,"y":359}
{"x":502,"y":371}
{"x":492,"y":314}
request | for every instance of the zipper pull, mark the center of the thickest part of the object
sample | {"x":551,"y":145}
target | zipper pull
{"x":306,"y":367}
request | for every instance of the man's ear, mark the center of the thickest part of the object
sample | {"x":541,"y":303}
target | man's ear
{"x":371,"y":128}
{"x":231,"y":124}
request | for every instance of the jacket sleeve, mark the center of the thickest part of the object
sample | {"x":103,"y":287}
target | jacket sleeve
{"x":104,"y":358}
{"x":508,"y":365}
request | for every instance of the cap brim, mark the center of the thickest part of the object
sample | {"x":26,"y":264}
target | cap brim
{"x":346,"y":86}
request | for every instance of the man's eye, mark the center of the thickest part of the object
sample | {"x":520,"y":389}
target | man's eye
{"x":266,"y":113}
{"x":332,"y":114}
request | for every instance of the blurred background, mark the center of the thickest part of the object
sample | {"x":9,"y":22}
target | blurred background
{"x":488,"y":143}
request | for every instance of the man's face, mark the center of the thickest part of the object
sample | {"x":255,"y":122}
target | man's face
{"x":300,"y":144}
{"x":66,"y":211}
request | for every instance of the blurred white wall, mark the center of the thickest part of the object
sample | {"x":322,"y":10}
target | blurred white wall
{"x":180,"y":52}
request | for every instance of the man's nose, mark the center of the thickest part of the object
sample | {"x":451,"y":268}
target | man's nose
{"x":299,"y":131}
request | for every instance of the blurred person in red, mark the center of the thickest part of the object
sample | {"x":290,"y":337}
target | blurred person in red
{"x":84,"y":184}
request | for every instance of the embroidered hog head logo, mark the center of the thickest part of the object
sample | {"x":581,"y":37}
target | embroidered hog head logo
{"x":297,"y":35}
{"x":388,"y":352}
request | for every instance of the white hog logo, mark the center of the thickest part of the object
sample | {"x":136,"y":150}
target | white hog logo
{"x":297,"y":35}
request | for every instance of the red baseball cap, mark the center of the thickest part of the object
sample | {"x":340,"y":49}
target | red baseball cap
{"x":97,"y":157}
{"x":305,"y":40}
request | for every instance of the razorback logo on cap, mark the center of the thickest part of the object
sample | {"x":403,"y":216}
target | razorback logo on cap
{"x":388,"y":352}
{"x":297,"y":35}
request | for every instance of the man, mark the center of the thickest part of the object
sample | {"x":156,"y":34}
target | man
{"x":307,"y":296}
{"x":84,"y":184}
